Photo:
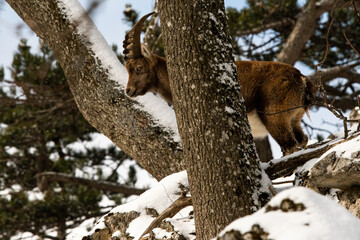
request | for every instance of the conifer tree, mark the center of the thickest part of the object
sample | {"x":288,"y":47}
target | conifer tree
{"x":40,"y":124}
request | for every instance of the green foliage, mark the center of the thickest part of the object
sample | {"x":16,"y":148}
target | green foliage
{"x":39,"y":124}
{"x":131,"y":16}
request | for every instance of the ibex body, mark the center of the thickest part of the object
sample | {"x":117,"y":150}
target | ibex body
{"x":276,"y":94}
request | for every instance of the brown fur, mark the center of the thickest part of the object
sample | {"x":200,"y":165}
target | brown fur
{"x":276,"y":94}
{"x":273,"y":87}
{"x":267,"y":87}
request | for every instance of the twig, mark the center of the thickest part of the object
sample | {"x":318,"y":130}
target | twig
{"x":314,"y":128}
{"x":337,"y":125}
{"x":272,"y":190}
{"x":333,"y":110}
{"x":283,"y":182}
{"x":356,"y":11}
{"x":171,"y":211}
{"x":327,"y":38}
{"x":352,"y":46}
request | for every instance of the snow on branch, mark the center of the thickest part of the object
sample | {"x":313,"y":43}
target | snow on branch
{"x":146,"y":214}
{"x":145,"y":129}
{"x":285,"y":166}
{"x":155,"y":106}
{"x":96,"y":184}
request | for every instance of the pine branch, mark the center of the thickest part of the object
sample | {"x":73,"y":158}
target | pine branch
{"x":100,"y":185}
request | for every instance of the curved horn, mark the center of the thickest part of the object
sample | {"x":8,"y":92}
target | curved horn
{"x":131,"y":44}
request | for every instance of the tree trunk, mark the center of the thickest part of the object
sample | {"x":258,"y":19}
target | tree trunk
{"x":220,"y":156}
{"x":99,"y":96}
{"x":263,"y":149}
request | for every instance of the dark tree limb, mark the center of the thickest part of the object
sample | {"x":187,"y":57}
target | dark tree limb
{"x":99,"y":97}
{"x":96,"y":184}
{"x":285,"y":166}
{"x":303,"y":30}
{"x":329,"y":74}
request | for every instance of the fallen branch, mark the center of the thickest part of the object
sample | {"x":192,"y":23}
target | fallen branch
{"x":100,"y":185}
{"x":171,"y":211}
{"x":285,"y":166}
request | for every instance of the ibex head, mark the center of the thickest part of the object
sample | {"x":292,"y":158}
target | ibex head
{"x":139,"y":62}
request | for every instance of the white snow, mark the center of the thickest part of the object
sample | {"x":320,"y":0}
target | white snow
{"x":162,"y":113}
{"x":322,"y":219}
{"x":229,"y":110}
{"x":161,"y":196}
{"x":81,"y":230}
{"x":226,"y":77}
{"x":344,"y":149}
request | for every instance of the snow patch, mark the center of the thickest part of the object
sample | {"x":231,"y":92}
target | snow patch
{"x":315,"y":222}
{"x":162,"y":195}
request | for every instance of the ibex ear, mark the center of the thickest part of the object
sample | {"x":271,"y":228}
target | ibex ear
{"x":146,"y":52}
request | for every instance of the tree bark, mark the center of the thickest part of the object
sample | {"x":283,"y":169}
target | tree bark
{"x":263,"y":149}
{"x":98,"y":96}
{"x":221,"y":161}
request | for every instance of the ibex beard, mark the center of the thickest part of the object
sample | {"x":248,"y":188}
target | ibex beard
{"x":276,"y":94}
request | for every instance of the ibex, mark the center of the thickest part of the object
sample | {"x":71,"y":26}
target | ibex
{"x":276,"y":94}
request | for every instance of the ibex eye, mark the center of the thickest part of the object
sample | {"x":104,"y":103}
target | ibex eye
{"x":139,"y":68}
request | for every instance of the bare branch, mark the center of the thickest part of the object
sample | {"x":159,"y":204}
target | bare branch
{"x":303,"y":30}
{"x":100,"y":185}
{"x":171,"y":211}
{"x":357,"y":14}
{"x":314,"y":128}
{"x":337,"y":72}
{"x":271,"y":25}
{"x":352,"y":46}
{"x":327,"y":37}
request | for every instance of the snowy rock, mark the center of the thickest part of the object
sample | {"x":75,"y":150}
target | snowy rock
{"x":129,"y":221}
{"x":296,"y":214}
{"x":336,"y":168}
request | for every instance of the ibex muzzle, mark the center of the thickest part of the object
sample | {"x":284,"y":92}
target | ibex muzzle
{"x":276,"y":94}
